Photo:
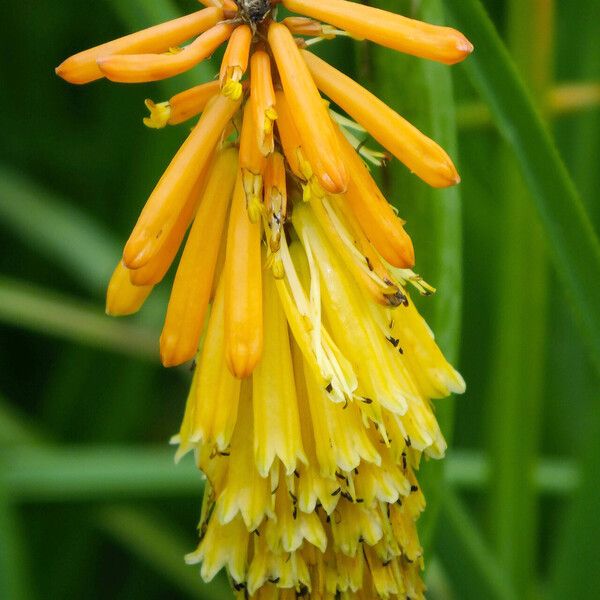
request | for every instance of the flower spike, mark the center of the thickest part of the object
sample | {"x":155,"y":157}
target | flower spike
{"x":310,"y":406}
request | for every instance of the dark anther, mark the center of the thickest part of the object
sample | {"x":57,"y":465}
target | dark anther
{"x":359,"y":500}
{"x":414,"y":488}
{"x":336,"y":492}
{"x":293,"y":497}
{"x":386,"y":563}
{"x":369,"y":264}
{"x":329,"y":388}
{"x":404,"y":464}
{"x":296,"y":474}
{"x":367,"y":400}
{"x":408,"y":442}
{"x":274,"y":580}
{"x":256,"y":532}
{"x":393,"y":341}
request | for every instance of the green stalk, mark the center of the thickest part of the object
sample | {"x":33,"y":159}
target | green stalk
{"x":516,"y":381}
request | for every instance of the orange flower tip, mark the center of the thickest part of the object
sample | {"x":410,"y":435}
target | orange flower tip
{"x":135,"y":257}
{"x":407,"y":257}
{"x":173,"y":353}
{"x":336,"y":184}
{"x":242,"y":360}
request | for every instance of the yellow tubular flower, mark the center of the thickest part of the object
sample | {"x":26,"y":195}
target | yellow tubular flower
{"x":394,"y":31}
{"x":309,"y":112}
{"x":169,"y":196}
{"x":243,"y":293}
{"x":310,"y":406}
{"x":193,"y":282}
{"x":419,"y":153}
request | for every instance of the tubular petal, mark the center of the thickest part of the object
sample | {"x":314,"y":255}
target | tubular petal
{"x":308,"y":111}
{"x":192,"y":102}
{"x":170,"y":194}
{"x":394,"y":31}
{"x":82,"y":67}
{"x":122,"y":297}
{"x":276,"y":422}
{"x":275,"y":198}
{"x":156,"y":268}
{"x":139,"y":68}
{"x":418,"y":152}
{"x":243,"y":289}
{"x":252,"y":164}
{"x":262,"y":98}
{"x":193,"y":282}
{"x":376,"y":217}
{"x":289,"y":136}
{"x":235,"y":61}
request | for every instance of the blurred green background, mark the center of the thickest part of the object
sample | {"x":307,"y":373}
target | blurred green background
{"x":90,"y":502}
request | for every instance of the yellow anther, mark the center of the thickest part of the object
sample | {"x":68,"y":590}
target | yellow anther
{"x":255,"y":209}
{"x":174,"y":50}
{"x":232,"y":89}
{"x":159,"y":114}
{"x":306,"y":193}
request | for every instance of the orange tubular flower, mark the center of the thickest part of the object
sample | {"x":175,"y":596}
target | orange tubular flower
{"x":309,"y":111}
{"x":235,"y":62}
{"x":193,"y":282}
{"x":139,"y":68}
{"x":419,"y":153}
{"x":82,"y":67}
{"x":310,"y":406}
{"x":442,"y":44}
{"x":169,"y":196}
{"x":243,"y":293}
{"x":180,"y":107}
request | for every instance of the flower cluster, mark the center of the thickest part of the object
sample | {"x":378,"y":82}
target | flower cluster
{"x":310,"y":406}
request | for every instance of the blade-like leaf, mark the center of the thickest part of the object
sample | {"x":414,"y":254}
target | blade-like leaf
{"x":570,"y":237}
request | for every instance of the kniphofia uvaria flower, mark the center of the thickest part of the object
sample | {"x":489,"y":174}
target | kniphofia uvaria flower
{"x":310,"y":405}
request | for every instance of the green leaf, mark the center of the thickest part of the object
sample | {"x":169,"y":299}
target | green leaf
{"x":31,"y":307}
{"x":57,"y":230}
{"x":465,"y":554}
{"x":570,"y":237}
{"x":154,"y":542}
{"x":73,"y":474}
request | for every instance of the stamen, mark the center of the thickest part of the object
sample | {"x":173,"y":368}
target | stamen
{"x":140,"y":68}
{"x":308,"y":111}
{"x":394,"y":31}
{"x":82,"y":67}
{"x":181,"y":107}
{"x":418,"y":152}
{"x":275,"y":198}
